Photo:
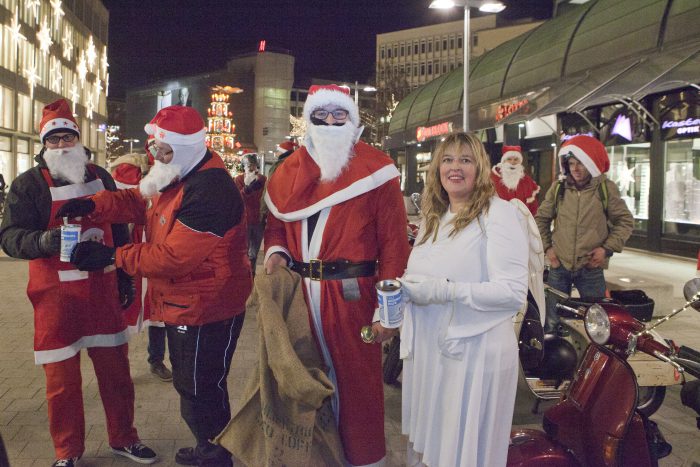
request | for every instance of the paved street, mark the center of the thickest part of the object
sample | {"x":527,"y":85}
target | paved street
{"x":23,"y":419}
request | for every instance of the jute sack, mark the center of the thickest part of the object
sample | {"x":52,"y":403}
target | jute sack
{"x":285,"y":416}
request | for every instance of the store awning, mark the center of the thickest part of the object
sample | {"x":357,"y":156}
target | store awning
{"x":634,"y":82}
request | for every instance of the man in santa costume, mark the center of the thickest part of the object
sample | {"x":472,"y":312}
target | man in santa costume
{"x":511,"y":181}
{"x":195,"y":260}
{"x":251,"y":185}
{"x":337,"y":218}
{"x":282,"y":152}
{"x":73,"y":310}
{"x":127,"y":171}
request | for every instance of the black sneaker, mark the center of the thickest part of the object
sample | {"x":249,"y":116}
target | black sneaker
{"x":190,"y":456}
{"x":161,"y":372}
{"x":65,"y":462}
{"x":137,"y":452}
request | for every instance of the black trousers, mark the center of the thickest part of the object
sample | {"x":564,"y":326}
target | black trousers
{"x":201,"y":359}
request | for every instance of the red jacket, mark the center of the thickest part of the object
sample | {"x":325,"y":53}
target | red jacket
{"x":251,"y":197}
{"x":195,"y":254}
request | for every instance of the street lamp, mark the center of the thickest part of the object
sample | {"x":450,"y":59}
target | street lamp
{"x":364,"y":87}
{"x":487,"y":6}
{"x":131,"y":142}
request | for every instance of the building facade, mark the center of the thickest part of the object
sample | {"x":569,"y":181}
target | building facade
{"x":51,"y":50}
{"x":260,"y":112}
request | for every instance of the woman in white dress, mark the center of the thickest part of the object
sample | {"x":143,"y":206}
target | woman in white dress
{"x":466,"y":278}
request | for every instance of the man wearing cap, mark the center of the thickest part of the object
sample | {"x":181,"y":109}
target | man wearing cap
{"x":337,"y":217}
{"x":73,"y":310}
{"x":251,"y":185}
{"x":127,"y":171}
{"x":590,"y":221}
{"x":512,"y":181}
{"x":195,"y":260}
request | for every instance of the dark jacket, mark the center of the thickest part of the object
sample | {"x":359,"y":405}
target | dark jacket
{"x":28,"y":208}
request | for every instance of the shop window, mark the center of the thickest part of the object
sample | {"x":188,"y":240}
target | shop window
{"x":430,"y":68}
{"x":437,"y":45}
{"x":415,"y":49}
{"x":430,"y":46}
{"x":630,"y":170}
{"x":403,"y":50}
{"x":396,"y":51}
{"x":682,"y":188}
{"x":24,"y":113}
{"x":444,"y":44}
{"x":422,"y":69}
{"x":422,"y":47}
{"x":382,"y":53}
{"x":24,"y":161}
{"x":415,"y":70}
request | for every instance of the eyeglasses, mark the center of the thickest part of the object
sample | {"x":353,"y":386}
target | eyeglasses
{"x":155,"y":150}
{"x":338,"y":114}
{"x":68,"y":138}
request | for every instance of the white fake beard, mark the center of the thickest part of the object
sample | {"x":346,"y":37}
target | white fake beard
{"x":331,"y":147}
{"x":67,"y":163}
{"x":158,"y":177}
{"x":511,"y":175}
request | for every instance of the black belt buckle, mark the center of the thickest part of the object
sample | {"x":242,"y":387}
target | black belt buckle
{"x":316,"y":269}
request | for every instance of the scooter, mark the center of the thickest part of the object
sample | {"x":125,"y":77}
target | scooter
{"x":548,"y":361}
{"x":596,"y":423}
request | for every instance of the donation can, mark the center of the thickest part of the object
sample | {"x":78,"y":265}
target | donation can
{"x":390,"y":304}
{"x":70,"y":236}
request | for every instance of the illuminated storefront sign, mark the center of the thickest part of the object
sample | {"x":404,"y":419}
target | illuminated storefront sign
{"x":679,"y":128}
{"x":425,"y":132}
{"x":507,"y":109}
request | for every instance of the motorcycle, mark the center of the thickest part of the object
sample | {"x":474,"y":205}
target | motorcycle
{"x":594,"y":424}
{"x":548,"y":361}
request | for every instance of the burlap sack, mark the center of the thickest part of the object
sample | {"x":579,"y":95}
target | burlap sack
{"x":285,"y":416}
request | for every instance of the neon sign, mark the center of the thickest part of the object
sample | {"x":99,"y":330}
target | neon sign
{"x":622,"y":127}
{"x":261,"y":46}
{"x":423,"y":133}
{"x":689,"y":126}
{"x":506,"y":109}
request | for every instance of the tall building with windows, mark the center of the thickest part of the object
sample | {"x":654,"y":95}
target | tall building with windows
{"x":410,"y":58}
{"x":49,"y":50}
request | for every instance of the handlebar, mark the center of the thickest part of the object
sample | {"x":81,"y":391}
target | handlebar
{"x":689,"y":359}
{"x":580,"y":311}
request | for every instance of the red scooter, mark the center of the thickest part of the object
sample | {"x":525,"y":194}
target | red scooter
{"x":596,"y":423}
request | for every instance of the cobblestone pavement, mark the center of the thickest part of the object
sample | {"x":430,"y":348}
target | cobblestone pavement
{"x":23,"y":417}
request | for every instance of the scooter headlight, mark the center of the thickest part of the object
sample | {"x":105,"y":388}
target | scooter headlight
{"x":597,"y":324}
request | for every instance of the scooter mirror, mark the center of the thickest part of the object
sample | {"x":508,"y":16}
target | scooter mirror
{"x":690,"y":290}
{"x":415,"y":199}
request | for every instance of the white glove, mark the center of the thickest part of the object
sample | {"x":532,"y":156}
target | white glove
{"x":425,"y":290}
{"x":249,"y":178}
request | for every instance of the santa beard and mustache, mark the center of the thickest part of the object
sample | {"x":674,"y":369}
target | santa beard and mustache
{"x":158,"y":177}
{"x":511,"y":175}
{"x":67,"y":164}
{"x":331,"y":147}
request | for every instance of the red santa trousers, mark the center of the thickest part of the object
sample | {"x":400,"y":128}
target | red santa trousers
{"x":64,"y":395}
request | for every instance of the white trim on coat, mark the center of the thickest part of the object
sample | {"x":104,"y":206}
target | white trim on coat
{"x":96,"y":340}
{"x":76,"y":190}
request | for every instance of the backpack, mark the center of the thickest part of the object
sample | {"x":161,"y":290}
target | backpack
{"x":559,"y":195}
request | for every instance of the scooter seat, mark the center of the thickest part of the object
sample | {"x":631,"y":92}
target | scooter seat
{"x":534,"y":448}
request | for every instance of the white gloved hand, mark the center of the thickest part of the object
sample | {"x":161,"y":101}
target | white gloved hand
{"x":425,"y":290}
{"x":249,"y":178}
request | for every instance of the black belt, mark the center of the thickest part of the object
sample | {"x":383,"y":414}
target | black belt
{"x":318,"y":269}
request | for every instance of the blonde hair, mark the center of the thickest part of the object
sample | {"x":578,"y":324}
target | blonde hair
{"x":435,"y":201}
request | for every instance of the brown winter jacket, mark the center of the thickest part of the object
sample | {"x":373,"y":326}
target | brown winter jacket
{"x":580,"y":224}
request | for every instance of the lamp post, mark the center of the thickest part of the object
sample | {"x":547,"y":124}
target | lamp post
{"x":357,"y":87}
{"x":131,"y":142}
{"x":487,"y":6}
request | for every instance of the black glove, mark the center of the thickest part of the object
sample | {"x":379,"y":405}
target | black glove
{"x":76,"y":208}
{"x":92,"y":256}
{"x":50,"y":242}
{"x":127,"y":290}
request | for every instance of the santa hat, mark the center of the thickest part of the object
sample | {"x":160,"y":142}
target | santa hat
{"x":57,"y":117}
{"x":512,"y":151}
{"x":285,"y":146}
{"x":179,"y":125}
{"x":331,"y":94}
{"x":589,"y":151}
{"x":127,"y":170}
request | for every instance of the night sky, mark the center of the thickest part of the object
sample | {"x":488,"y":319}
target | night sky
{"x":157,"y":39}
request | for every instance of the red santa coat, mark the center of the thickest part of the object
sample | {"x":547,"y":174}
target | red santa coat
{"x":362,"y":218}
{"x":74,"y":309}
{"x":251,"y":199}
{"x":526,"y":191}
